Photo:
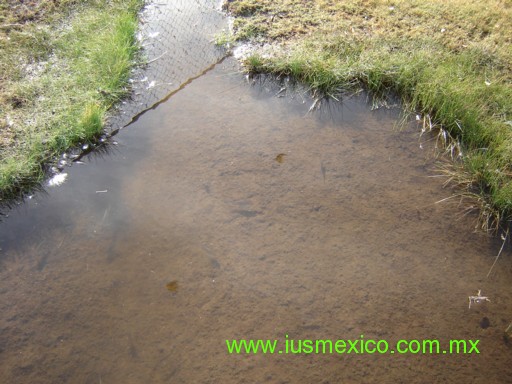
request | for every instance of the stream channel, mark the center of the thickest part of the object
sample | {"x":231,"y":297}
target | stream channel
{"x":229,"y":211}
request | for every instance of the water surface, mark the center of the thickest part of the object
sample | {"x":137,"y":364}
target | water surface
{"x":228,"y":212}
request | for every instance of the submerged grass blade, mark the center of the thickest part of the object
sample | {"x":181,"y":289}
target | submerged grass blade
{"x":499,"y":253}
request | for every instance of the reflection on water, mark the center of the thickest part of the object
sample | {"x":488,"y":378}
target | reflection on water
{"x":177,"y":39}
{"x":232,"y":213}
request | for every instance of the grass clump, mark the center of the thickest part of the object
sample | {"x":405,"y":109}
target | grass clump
{"x":63,"y":64}
{"x":451,"y":62}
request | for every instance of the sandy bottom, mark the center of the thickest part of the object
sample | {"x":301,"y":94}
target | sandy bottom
{"x":232,"y":213}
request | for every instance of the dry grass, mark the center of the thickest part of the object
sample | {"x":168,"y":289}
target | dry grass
{"x":457,"y":24}
{"x":451,"y":62}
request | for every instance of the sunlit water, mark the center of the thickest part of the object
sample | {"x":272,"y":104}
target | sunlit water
{"x":227,"y":213}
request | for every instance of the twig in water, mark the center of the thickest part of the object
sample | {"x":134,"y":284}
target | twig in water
{"x":156,"y":58}
{"x":315,"y":105}
{"x":278,"y":94}
{"x":477,"y":298}
{"x":447,"y":198}
{"x":335,"y":98}
{"x":499,"y":253}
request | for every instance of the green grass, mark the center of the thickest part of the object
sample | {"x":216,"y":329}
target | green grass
{"x":62,"y":70}
{"x":451,"y":62}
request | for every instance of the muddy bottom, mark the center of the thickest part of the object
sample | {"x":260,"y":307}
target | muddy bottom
{"x":231,"y":213}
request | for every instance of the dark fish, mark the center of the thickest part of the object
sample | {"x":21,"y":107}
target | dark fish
{"x":485,"y":323}
{"x":246,"y":213}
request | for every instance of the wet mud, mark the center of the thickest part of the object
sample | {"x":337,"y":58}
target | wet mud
{"x":231,"y":213}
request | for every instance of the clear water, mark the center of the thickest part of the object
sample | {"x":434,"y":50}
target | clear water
{"x":232,"y":213}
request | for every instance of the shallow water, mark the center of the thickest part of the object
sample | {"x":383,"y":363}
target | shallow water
{"x":177,"y":37}
{"x":228,"y":213}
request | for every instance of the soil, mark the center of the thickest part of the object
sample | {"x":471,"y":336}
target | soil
{"x":19,"y":12}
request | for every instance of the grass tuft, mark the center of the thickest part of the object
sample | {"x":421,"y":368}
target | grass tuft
{"x":450,"y":62}
{"x":64,"y":64}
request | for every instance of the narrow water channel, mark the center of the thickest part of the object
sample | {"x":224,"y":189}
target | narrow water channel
{"x":231,"y":213}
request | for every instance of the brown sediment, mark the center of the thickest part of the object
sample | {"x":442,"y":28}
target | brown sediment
{"x":265,"y":251}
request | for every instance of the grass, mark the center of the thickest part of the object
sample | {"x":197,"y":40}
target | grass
{"x":63,"y":65}
{"x":450,"y":62}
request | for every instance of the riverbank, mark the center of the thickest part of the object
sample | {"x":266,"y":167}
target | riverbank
{"x":64,"y":64}
{"x":451,"y":64}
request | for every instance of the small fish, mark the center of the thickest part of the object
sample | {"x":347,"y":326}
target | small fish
{"x":322,"y":168}
{"x":246,"y":213}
